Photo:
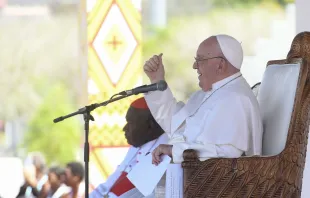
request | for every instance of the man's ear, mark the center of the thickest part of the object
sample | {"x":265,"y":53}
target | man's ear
{"x":221,"y":66}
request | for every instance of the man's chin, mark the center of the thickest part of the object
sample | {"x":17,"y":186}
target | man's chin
{"x":135,"y":145}
{"x":131,"y":144}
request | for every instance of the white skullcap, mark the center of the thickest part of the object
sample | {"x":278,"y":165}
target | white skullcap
{"x":231,"y":49}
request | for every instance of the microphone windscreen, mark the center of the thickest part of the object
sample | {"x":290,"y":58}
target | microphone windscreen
{"x":162,"y":85}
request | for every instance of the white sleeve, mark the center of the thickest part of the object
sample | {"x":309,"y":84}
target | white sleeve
{"x":205,"y":151}
{"x":163,"y":106}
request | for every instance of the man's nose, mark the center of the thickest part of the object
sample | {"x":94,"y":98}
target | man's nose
{"x":195,"y":65}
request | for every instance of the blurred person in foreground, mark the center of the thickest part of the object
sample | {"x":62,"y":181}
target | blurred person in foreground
{"x":220,"y":120}
{"x":74,"y":176}
{"x":144,"y":135}
{"x":56,"y":179}
{"x":35,"y":177}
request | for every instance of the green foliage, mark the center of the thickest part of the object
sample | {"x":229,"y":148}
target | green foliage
{"x":58,"y":142}
{"x":44,"y":54}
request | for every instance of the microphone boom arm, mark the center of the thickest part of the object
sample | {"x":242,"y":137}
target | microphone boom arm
{"x":90,"y":108}
{"x":161,"y":85}
{"x":87,"y":116}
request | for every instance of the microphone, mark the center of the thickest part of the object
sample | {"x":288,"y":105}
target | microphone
{"x":161,"y":86}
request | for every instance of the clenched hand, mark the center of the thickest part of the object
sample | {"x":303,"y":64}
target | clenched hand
{"x":163,"y":149}
{"x":154,"y":68}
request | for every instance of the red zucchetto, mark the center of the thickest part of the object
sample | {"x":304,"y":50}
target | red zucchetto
{"x":140,"y":103}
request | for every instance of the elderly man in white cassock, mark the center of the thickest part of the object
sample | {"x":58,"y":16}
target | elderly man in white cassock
{"x":220,"y":120}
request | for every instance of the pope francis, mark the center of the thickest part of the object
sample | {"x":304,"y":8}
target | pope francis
{"x":220,"y":120}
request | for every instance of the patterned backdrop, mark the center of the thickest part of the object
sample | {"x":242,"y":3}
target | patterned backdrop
{"x":114,"y":65}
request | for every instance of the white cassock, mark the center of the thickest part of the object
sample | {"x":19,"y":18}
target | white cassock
{"x":223,"y":122}
{"x":132,"y":158}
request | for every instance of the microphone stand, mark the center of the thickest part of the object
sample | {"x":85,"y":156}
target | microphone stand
{"x":87,"y":116}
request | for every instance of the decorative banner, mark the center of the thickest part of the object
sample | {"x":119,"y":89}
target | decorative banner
{"x":114,"y":64}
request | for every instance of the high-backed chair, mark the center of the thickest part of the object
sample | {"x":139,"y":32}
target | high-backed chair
{"x":284,"y":99}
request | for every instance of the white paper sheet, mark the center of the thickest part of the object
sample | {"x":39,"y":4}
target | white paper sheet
{"x":146,"y":175}
{"x":174,"y":181}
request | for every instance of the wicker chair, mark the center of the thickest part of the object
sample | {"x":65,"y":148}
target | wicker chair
{"x":284,"y":98}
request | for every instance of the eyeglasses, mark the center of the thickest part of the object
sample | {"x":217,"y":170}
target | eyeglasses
{"x":199,"y":60}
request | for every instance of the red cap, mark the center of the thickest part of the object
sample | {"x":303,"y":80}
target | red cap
{"x":140,"y":103}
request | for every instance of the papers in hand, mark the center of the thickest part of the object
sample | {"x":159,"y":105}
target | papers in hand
{"x":146,"y":175}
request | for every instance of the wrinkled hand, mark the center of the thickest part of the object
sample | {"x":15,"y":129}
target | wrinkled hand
{"x":163,"y":149}
{"x":154,"y":68}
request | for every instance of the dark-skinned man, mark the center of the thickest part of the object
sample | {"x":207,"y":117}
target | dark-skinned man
{"x":144,"y":135}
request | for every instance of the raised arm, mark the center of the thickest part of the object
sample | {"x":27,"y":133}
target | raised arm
{"x":161,"y":103}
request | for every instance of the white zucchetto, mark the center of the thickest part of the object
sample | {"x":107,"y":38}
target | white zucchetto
{"x":231,"y":49}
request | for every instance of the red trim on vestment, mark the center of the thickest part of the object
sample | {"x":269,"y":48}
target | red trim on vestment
{"x":122,"y":185}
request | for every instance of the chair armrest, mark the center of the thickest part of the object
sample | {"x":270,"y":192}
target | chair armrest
{"x":244,"y":176}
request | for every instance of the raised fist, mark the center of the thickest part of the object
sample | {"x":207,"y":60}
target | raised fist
{"x":154,"y":68}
